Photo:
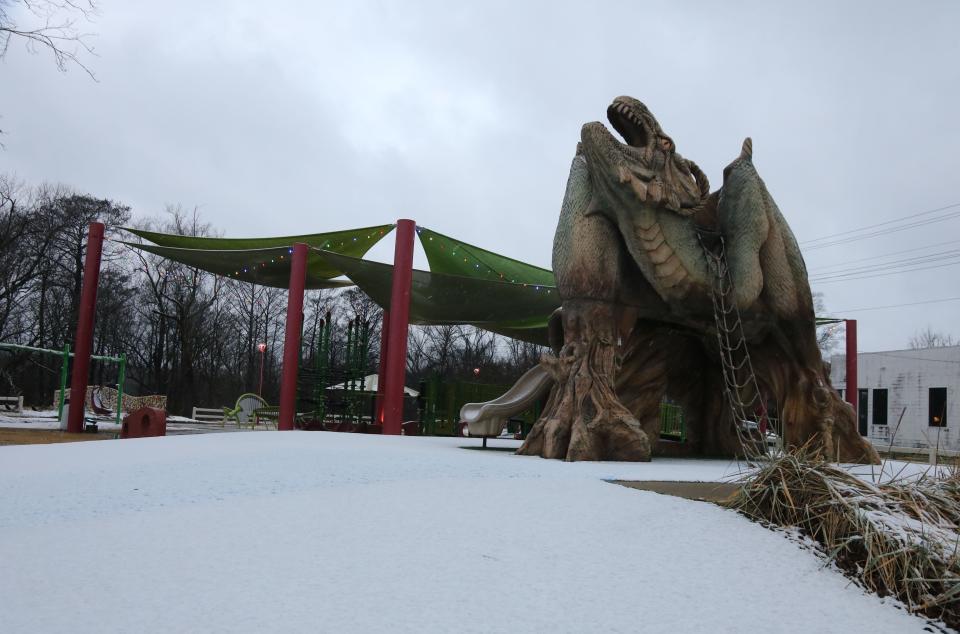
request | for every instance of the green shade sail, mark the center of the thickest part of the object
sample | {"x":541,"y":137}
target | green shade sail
{"x":466,"y":284}
{"x":353,"y":242}
{"x":512,"y":309}
{"x":455,"y":257}
{"x":267,"y":267}
{"x":263,"y":261}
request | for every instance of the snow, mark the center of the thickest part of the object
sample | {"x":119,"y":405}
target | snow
{"x":318,"y":531}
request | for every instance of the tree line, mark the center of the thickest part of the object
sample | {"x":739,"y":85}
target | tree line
{"x":186,"y":333}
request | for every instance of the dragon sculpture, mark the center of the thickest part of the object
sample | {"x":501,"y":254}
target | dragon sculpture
{"x":635,"y":255}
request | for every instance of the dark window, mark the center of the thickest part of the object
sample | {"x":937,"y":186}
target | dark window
{"x":880,"y":407}
{"x":938,"y":407}
{"x":840,"y":393}
{"x":863,"y":400}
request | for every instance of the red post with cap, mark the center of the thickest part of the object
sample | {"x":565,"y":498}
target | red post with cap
{"x":83,"y":342}
{"x":396,"y":365}
{"x":850,"y":391}
{"x":291,"y":337}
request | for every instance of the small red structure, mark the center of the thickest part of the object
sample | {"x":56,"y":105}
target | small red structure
{"x":144,"y":423}
{"x":850,"y":390}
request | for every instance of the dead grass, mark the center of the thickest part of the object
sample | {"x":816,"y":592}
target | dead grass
{"x":897,"y":539}
{"x":46,"y":436}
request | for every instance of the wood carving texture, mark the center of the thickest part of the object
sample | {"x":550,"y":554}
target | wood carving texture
{"x":636,"y":316}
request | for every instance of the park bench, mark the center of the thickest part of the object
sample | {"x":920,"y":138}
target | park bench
{"x":12,"y":403}
{"x":208,"y":415}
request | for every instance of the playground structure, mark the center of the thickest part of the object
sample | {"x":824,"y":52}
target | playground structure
{"x":337,"y":398}
{"x":104,"y":400}
{"x":404,"y":286}
{"x":702,"y":282}
{"x":669,"y":290}
{"x":487,"y":419}
{"x":92,"y":395}
{"x":383,"y":289}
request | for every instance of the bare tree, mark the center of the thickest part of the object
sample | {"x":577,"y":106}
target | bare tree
{"x":827,"y":335}
{"x":927,"y":338}
{"x":523,"y":355}
{"x":53,"y":25}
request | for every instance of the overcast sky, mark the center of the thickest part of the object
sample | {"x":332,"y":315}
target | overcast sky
{"x":284,"y":117}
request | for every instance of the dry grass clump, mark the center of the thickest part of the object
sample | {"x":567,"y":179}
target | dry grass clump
{"x":898,"y":539}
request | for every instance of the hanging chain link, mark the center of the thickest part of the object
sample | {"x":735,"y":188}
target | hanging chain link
{"x":741,"y":390}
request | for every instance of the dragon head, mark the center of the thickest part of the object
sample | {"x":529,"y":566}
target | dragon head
{"x":646,"y":169}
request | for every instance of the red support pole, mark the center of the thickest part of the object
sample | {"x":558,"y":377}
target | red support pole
{"x":382,"y":369}
{"x":396,"y":369}
{"x":291,"y":337}
{"x":83,"y":342}
{"x":850,"y":391}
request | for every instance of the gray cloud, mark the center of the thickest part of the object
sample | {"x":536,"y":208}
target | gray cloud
{"x":299,"y":118}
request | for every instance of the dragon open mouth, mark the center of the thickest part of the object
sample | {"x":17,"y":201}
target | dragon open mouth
{"x":628,"y":124}
{"x":646,"y":167}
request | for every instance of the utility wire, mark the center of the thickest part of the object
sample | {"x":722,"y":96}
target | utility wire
{"x":885,"y":255}
{"x":883,"y":232}
{"x":894,"y":266}
{"x":832,"y":239}
{"x":927,"y":301}
{"x":852,"y":277}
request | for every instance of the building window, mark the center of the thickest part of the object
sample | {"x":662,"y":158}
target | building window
{"x":938,"y":407}
{"x":880,"y":407}
{"x":863,"y":402}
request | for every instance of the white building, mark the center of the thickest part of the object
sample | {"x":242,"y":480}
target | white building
{"x":922,"y":385}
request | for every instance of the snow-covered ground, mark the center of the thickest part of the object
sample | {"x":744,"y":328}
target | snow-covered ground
{"x":314,"y":531}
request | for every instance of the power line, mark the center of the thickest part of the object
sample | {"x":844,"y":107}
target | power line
{"x":852,"y":277}
{"x":831,"y":237}
{"x":886,"y":255}
{"x":894,"y":266}
{"x":883,"y":232}
{"x":927,"y":301}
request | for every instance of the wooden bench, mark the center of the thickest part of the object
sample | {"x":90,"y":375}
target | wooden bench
{"x":208,"y":415}
{"x":12,"y":403}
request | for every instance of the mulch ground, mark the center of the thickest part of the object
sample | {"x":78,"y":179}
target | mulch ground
{"x":47,"y":436}
{"x":716,"y":492}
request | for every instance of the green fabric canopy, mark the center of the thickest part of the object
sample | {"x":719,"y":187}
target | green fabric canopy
{"x":267,"y":267}
{"x":512,"y":309}
{"x":353,"y":242}
{"x":455,"y":257}
{"x":466,"y":284}
{"x":263,"y":261}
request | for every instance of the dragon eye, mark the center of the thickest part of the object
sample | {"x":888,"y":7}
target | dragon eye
{"x":666,"y":143}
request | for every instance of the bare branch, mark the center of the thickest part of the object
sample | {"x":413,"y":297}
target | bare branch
{"x":57,"y":30}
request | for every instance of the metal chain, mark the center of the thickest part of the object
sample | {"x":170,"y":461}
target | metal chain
{"x":734,"y":355}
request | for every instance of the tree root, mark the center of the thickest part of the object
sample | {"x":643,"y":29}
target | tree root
{"x":584,"y":419}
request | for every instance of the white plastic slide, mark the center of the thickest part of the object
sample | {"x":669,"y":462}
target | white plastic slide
{"x":487,"y":419}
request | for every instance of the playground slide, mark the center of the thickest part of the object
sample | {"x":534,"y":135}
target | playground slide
{"x":488,"y":419}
